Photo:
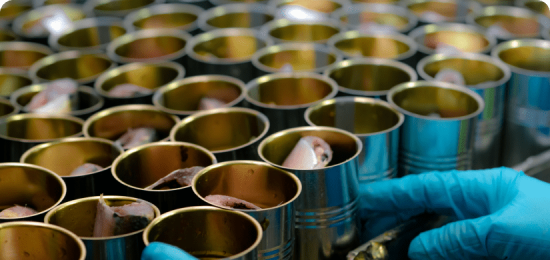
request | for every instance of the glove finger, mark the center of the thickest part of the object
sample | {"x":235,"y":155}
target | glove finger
{"x":162,"y":251}
{"x":458,"y":240}
{"x":467,"y":194}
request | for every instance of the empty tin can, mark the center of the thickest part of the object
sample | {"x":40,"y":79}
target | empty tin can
{"x":285,"y":30}
{"x":370,"y":77}
{"x":22,"y":55}
{"x":283,"y":97}
{"x":176,"y":16}
{"x":326,"y":212}
{"x":288,"y":57}
{"x":12,"y":80}
{"x":82,"y":66}
{"x":439,"y":129}
{"x":184,"y":97}
{"x":149,"y":75}
{"x":507,"y":22}
{"x":30,"y":186}
{"x":138,"y":168}
{"x":526,"y":130}
{"x":89,"y":102}
{"x":268,"y":187}
{"x":376,"y":16}
{"x":149,"y":45}
{"x":117,"y":8}
{"x":222,"y":233}
{"x":78,"y":216}
{"x":225,"y":52}
{"x":488,"y":77}
{"x":41,"y":240}
{"x":229,"y":133}
{"x":374,"y":122}
{"x":66,"y":155}
{"x":18,"y":133}
{"x":88,"y":34}
{"x":236,"y":15}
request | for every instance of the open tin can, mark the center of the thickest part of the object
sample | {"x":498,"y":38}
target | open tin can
{"x":321,"y":6}
{"x":175,"y":16}
{"x":7,"y":108}
{"x":238,"y":15}
{"x":285,"y":30}
{"x":21,"y":55}
{"x":117,"y":8}
{"x":12,"y":80}
{"x":364,"y":16}
{"x":88,"y":34}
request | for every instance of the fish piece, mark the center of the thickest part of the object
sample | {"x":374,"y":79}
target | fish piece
{"x":310,"y":152}
{"x":450,"y":76}
{"x":433,"y":17}
{"x":58,"y":97}
{"x":207,"y":103}
{"x":86,"y":168}
{"x":128,"y":90}
{"x":136,"y":137}
{"x":17,"y":212}
{"x":113,"y":221}
{"x":182,"y":177}
{"x":227,"y":201}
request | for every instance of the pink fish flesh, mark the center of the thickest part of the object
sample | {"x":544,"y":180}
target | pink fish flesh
{"x":136,"y":137}
{"x":207,"y":103}
{"x":227,"y":201}
{"x":86,"y":168}
{"x":128,"y":90}
{"x":113,"y":221}
{"x":17,"y":212}
{"x":54,"y":91}
{"x":310,"y":152}
{"x":180,"y":177}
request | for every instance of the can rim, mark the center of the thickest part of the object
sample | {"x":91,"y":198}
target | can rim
{"x":21,"y":19}
{"x":25,"y":46}
{"x":86,"y":23}
{"x":512,"y":11}
{"x":164,"y":8}
{"x":377,"y":8}
{"x":90,"y":8}
{"x":470,"y":5}
{"x":15,"y":111}
{"x":279,"y":3}
{"x":267,"y":28}
{"x":17,"y":117}
{"x":225,"y":9}
{"x":545,"y":44}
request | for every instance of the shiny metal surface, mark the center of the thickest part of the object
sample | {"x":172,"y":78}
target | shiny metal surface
{"x":546,"y":34}
{"x":236,"y":15}
{"x":518,"y":22}
{"x":272,"y":189}
{"x":205,"y":4}
{"x":525,"y":125}
{"x":386,"y":45}
{"x":208,"y":232}
{"x":65,"y":155}
{"x":488,"y":77}
{"x":304,"y":57}
{"x":30,"y":186}
{"x":21,"y":55}
{"x":23,"y":25}
{"x":6,"y":34}
{"x":142,"y":166}
{"x":149,"y":45}
{"x":88,"y":34}
{"x":326,"y":213}
{"x":151,"y":75}
{"x":370,"y":77}
{"x":42,"y":241}
{"x":82,"y":66}
{"x":283,"y":30}
{"x":537,"y":6}
{"x":89,"y":102}
{"x":224,"y":2}
{"x":11,"y":9}
{"x":374,"y":122}
{"x":362,"y":16}
{"x":18,"y":133}
{"x":78,"y":216}
{"x":229,"y":133}
{"x":495,"y":2}
{"x":376,"y":1}
{"x":118,"y":8}
{"x":439,"y":129}
{"x":38,"y":3}
{"x":177,"y":16}
{"x":284,"y":97}
{"x":12,"y":79}
{"x":225,"y":52}
{"x":447,"y":10}
{"x":7,"y":109}
{"x":113,"y":122}
{"x":322,"y":6}
{"x":465,"y":38}
{"x":182,"y":97}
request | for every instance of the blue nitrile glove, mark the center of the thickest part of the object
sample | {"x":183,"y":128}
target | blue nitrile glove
{"x":162,"y":251}
{"x":503,"y":214}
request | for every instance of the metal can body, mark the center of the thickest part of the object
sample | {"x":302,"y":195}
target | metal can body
{"x":327,"y":224}
{"x":487,"y":77}
{"x":526,"y":127}
{"x":439,"y":129}
{"x":88,"y":34}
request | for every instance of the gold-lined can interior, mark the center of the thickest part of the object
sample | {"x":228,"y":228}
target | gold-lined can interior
{"x":527,"y":57}
{"x":20,"y":57}
{"x":39,"y":128}
{"x":121,"y":5}
{"x":81,"y":67}
{"x":446,"y":9}
{"x":12,"y":9}
{"x":263,"y":185}
{"x":538,"y":6}
{"x":190,"y":229}
{"x":151,"y":47}
{"x":10,"y":82}
{"x":382,"y":18}
{"x":150,"y":76}
{"x":377,"y":47}
{"x":5,"y":108}
{"x":234,"y":47}
{"x":300,"y":59}
{"x":369,"y":77}
{"x":376,"y":1}
{"x":186,"y":96}
{"x":91,"y":36}
{"x":289,"y":91}
{"x":53,"y":156}
{"x":323,"y":6}
{"x":178,"y":20}
{"x":145,"y":165}
{"x":221,"y":129}
{"x":6,"y":35}
{"x":518,"y":26}
{"x":244,"y":19}
{"x":473,"y":71}
{"x":303,"y":32}
{"x":432,"y":101}
{"x":462,"y":40}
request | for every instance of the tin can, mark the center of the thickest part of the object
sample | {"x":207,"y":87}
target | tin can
{"x":12,"y":80}
{"x":537,"y":6}
{"x":7,"y":35}
{"x":440,"y":11}
{"x":285,"y":30}
{"x":21,"y":55}
{"x":321,"y":6}
{"x":7,"y":108}
{"x":362,"y":16}
{"x":204,"y":4}
{"x":225,"y":2}
{"x":88,"y":34}
{"x":12,"y":9}
{"x":175,"y":16}
{"x":117,"y":8}
{"x":236,"y":15}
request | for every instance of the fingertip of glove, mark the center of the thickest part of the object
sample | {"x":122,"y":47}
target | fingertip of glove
{"x":162,"y":251}
{"x":417,"y":249}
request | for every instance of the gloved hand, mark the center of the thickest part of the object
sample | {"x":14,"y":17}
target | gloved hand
{"x":503,"y":214}
{"x":162,"y":251}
